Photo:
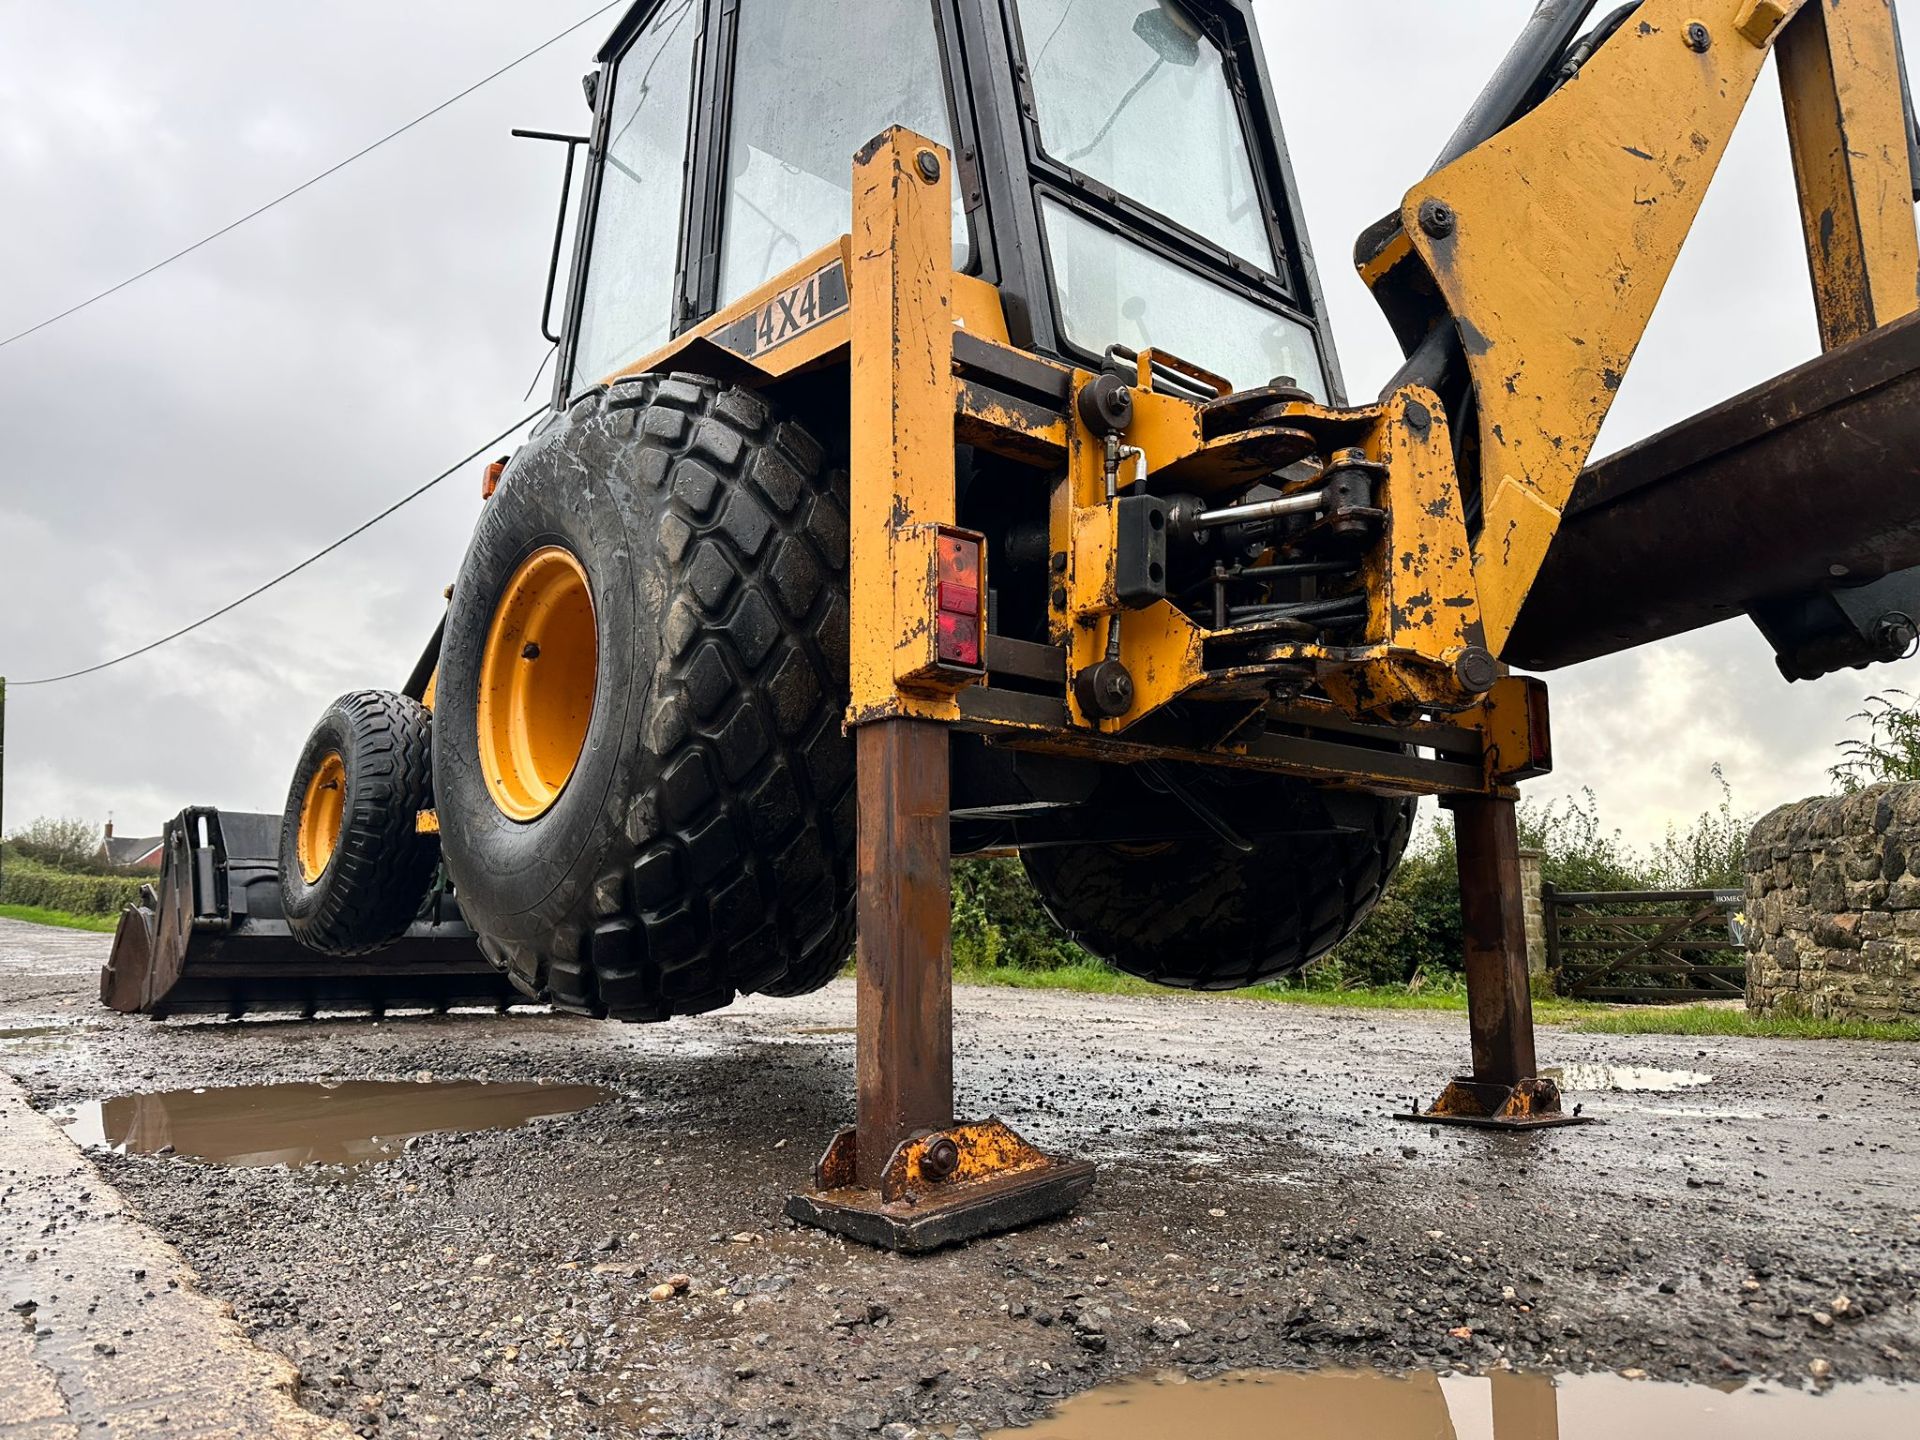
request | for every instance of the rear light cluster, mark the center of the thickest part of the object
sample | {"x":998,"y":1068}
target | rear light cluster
{"x":959,"y":617}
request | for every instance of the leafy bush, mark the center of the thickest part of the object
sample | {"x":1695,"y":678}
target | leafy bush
{"x":28,"y":881}
{"x":999,"y":923}
{"x":64,"y":842}
{"x":1889,"y":751}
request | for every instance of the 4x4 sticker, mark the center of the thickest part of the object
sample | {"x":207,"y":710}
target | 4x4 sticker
{"x":794,"y":311}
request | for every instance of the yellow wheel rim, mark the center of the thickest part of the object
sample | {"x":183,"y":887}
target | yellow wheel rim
{"x":537,"y":681}
{"x":322,"y":814}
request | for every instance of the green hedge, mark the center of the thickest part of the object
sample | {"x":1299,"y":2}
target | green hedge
{"x":33,"y":882}
{"x":999,"y":923}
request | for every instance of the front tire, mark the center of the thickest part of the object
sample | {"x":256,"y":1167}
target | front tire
{"x":354,"y":865}
{"x":680,"y":827}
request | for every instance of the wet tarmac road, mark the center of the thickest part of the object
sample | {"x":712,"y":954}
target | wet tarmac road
{"x":1256,"y":1209}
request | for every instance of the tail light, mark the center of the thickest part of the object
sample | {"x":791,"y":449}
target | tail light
{"x":960,"y":602}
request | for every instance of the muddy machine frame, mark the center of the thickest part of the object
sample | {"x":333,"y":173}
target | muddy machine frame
{"x":1404,"y":553}
{"x":1545,"y":317}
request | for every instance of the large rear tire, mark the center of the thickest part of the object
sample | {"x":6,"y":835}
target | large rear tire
{"x":1201,"y":914}
{"x":354,"y":865}
{"x":670,"y":820}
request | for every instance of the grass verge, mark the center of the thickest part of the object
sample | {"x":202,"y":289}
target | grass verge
{"x":1715,"y":1020}
{"x":1098,"y":980}
{"x":64,"y":919}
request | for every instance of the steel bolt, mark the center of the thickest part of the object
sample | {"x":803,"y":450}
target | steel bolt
{"x":1437,"y":218}
{"x":1699,"y":38}
{"x":940,"y":1159}
{"x":929,"y":165}
{"x":1059,"y":597}
{"x":1895,"y":635}
{"x":531,"y":652}
{"x":1476,"y":670}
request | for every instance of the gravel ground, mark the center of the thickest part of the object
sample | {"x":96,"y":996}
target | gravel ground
{"x":1256,"y":1207}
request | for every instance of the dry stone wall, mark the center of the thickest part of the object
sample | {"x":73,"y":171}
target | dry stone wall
{"x":1833,"y":907}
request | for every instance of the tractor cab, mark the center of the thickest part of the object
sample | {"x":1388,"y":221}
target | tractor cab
{"x":1121,"y":177}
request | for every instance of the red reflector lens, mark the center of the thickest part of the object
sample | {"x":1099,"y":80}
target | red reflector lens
{"x":957,"y":639}
{"x":959,"y":599}
{"x":959,"y":562}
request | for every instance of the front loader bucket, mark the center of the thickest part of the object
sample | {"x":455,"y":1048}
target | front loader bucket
{"x":1782,"y":503}
{"x":209,"y":939}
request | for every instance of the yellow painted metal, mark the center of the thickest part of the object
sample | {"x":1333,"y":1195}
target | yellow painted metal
{"x":433,"y":688}
{"x":1423,"y":599}
{"x":1846,"y":125}
{"x":1551,"y":244}
{"x":902,"y":408}
{"x":538,"y":674}
{"x":323,"y":812}
{"x":978,"y":311}
{"x":1506,"y":721}
{"x":1160,"y":647}
{"x":977,"y":1151}
{"x":426,"y":822}
{"x":1758,"y":21}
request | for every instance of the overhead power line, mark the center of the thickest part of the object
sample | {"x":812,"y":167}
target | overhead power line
{"x":288,"y":574}
{"x":315,"y":180}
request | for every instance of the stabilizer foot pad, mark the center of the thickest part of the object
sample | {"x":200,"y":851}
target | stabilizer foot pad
{"x":942,"y":1188}
{"x":1481,"y":1105}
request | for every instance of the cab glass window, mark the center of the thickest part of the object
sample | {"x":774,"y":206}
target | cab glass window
{"x":814,"y":80}
{"x":627,"y":299}
{"x":1115,"y":290}
{"x":1136,"y":96}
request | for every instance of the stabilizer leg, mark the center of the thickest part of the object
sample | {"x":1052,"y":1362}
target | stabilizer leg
{"x":1505,"y":1092}
{"x":906,"y":1176}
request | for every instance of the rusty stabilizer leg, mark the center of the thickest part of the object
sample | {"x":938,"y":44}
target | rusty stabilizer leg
{"x":906,"y":1176}
{"x":1504,"y":1092}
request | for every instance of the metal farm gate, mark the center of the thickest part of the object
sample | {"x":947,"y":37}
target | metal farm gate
{"x":1646,"y":946}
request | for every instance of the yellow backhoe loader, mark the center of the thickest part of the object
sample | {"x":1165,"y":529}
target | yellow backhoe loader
{"x":949,"y":454}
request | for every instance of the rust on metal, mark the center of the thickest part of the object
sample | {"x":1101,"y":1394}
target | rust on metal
{"x":1532,"y":1104}
{"x":997,"y":1181}
{"x":1493,"y":937}
{"x":904,"y":978}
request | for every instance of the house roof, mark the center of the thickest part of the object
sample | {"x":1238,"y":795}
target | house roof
{"x":129,"y":850}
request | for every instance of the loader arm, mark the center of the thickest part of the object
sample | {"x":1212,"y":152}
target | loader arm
{"x":1541,"y":252}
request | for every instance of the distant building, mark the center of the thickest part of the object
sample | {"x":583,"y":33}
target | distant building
{"x":129,"y":854}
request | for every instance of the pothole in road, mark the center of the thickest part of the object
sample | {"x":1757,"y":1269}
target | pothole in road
{"x":1337,"y":1405}
{"x":354,"y":1122}
{"x":1624,"y":1078}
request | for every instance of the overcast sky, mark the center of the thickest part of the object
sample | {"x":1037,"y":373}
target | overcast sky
{"x":175,"y":444}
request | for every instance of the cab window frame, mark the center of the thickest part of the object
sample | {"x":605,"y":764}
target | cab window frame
{"x":631,"y":28}
{"x":1292,"y":287}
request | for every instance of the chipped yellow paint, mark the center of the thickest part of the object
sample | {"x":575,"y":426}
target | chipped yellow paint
{"x":1506,"y":721}
{"x":900,"y":280}
{"x":1423,"y":599}
{"x":1840,"y":81}
{"x":1558,"y":236}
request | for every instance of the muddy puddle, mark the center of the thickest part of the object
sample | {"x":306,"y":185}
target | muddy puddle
{"x":1634,"y":1078}
{"x":351,"y":1123}
{"x":1362,"y":1405}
